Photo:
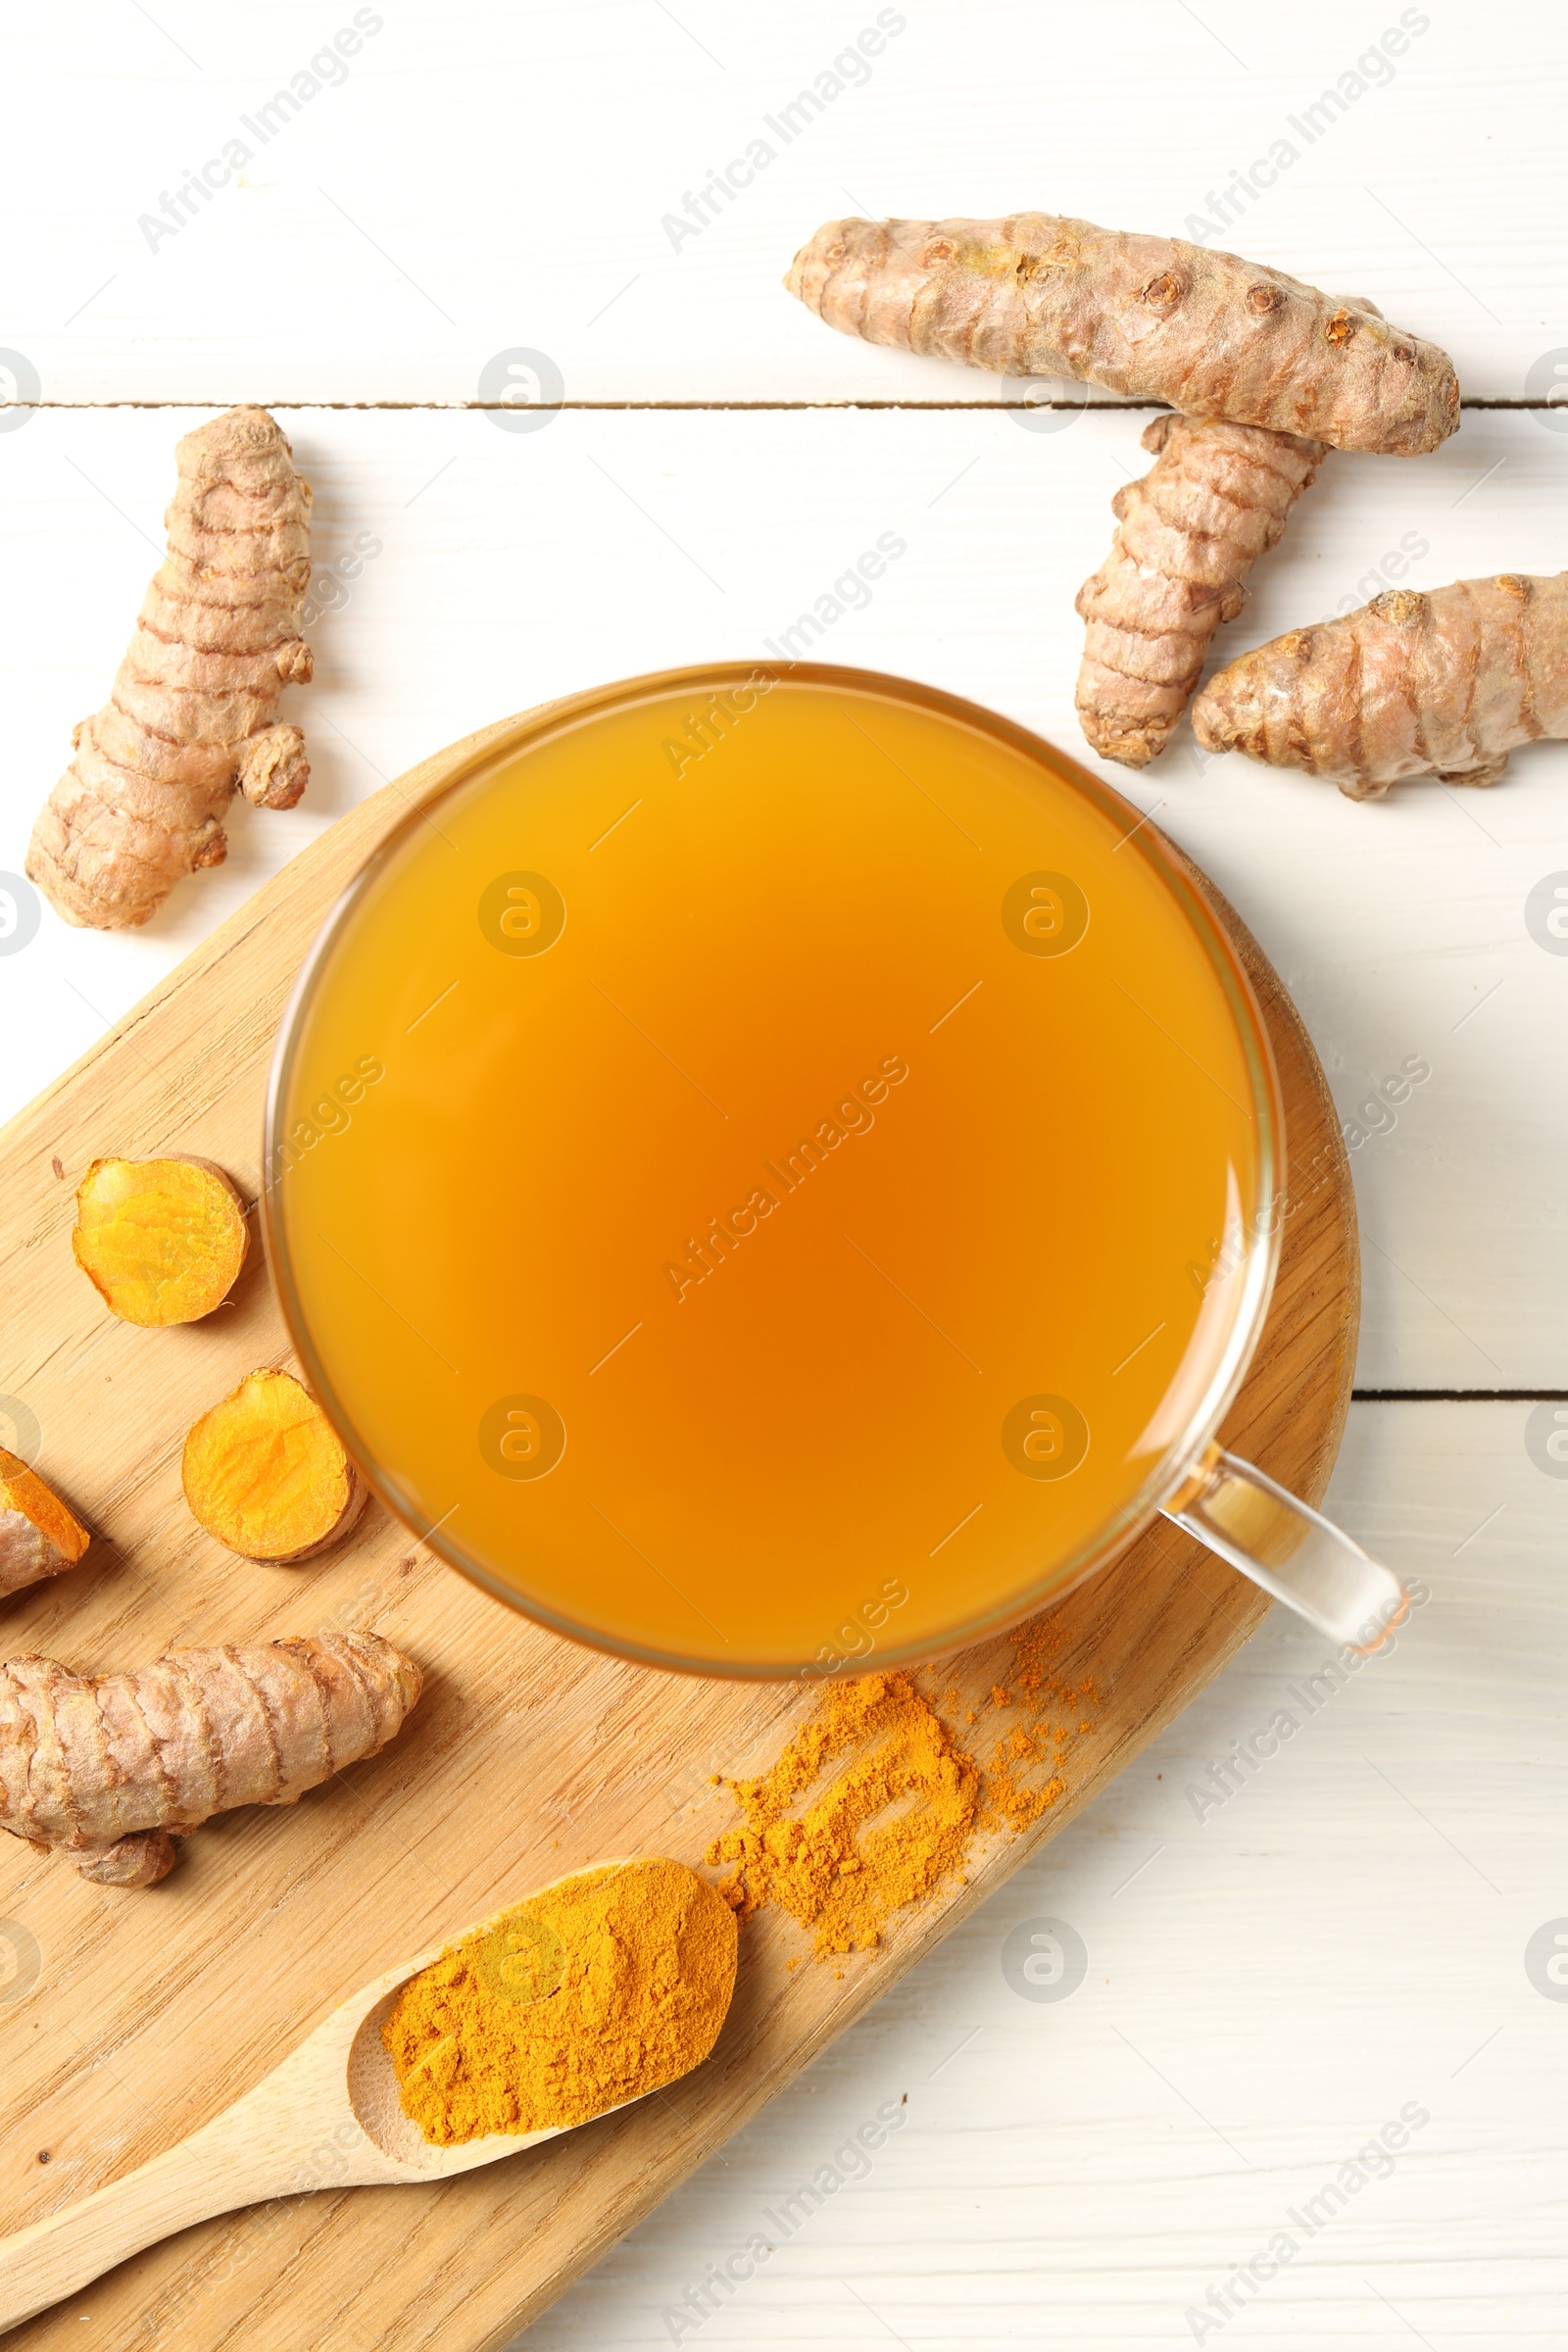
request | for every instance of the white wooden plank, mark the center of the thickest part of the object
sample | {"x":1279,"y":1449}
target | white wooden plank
{"x":1344,"y":1937}
{"x":513,"y":566}
{"x":478,"y":179}
{"x":488,"y":179}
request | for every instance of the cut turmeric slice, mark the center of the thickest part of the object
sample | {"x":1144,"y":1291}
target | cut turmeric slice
{"x":162,"y":1241}
{"x":38,"y":1536}
{"x":265,"y":1473}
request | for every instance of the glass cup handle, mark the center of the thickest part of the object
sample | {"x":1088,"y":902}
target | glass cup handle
{"x":1292,"y":1551}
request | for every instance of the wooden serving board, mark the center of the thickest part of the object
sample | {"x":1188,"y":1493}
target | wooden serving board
{"x":126,"y":2019}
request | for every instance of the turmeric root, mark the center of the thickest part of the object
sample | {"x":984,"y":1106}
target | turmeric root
{"x":140,"y":1860}
{"x":191,"y":714}
{"x":1445,"y":684}
{"x":1186,"y":539}
{"x":162,"y":1241}
{"x":111,"y":1768}
{"x":38,"y":1536}
{"x":1152,"y":317}
{"x":267,"y":1474}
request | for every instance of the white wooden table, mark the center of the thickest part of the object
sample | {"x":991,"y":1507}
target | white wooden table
{"x":484,"y":188}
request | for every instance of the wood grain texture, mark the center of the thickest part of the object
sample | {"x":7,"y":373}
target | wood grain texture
{"x":556,"y":148}
{"x":1281,"y":1971}
{"x":525,"y":1759}
{"x":337,"y":2088}
{"x":510,"y":568}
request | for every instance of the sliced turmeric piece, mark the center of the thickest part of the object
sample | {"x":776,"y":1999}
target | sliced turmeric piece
{"x":38,"y":1536}
{"x":265,"y":1473}
{"x":162,"y":1241}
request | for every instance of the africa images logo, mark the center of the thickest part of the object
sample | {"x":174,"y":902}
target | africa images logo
{"x":707,"y":1251}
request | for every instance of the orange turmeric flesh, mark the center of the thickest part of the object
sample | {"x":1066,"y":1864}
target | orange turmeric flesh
{"x":265,"y":1473}
{"x":38,"y":1536}
{"x":162,"y":1241}
{"x":598,"y":1990}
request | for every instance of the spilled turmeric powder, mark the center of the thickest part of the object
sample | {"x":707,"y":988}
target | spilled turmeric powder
{"x":1013,"y":1800}
{"x":596,"y":1990}
{"x":1038,"y":1692}
{"x":897,"y":1818}
{"x":829,"y":1869}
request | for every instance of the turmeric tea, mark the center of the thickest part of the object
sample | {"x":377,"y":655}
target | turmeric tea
{"x":601,"y":1988}
{"x":871,"y":986}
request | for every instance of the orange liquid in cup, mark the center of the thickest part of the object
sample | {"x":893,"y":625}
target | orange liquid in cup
{"x":748,"y":1170}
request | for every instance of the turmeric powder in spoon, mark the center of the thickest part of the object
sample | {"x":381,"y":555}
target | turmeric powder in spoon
{"x":600,"y":1989}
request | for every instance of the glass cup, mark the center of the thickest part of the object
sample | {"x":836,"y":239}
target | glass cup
{"x":593,"y":988}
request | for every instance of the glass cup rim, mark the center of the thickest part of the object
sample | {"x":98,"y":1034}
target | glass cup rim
{"x":501,"y":743}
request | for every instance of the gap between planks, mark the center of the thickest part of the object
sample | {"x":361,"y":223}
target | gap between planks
{"x":1459,"y":1396}
{"x":780,"y":406}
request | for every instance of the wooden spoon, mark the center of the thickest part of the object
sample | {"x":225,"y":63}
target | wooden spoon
{"x":330,"y":2117}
